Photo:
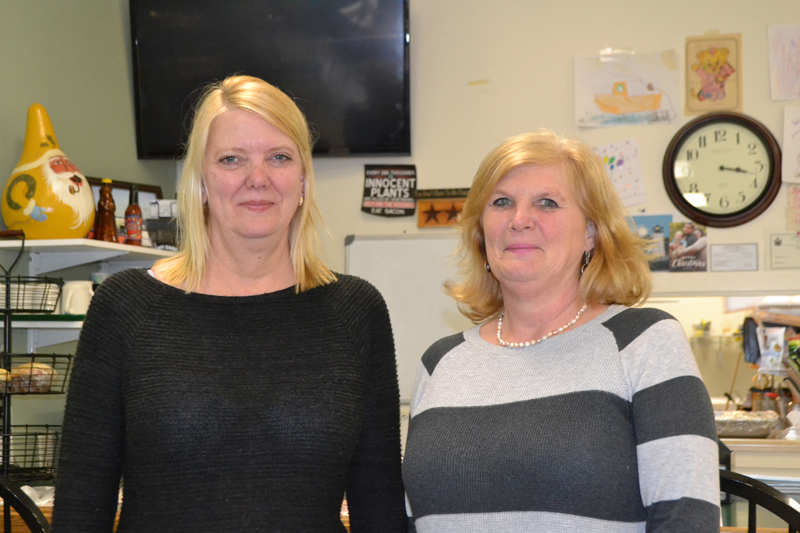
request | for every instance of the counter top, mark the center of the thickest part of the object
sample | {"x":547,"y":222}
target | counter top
{"x":774,"y":461}
{"x":763,"y":445}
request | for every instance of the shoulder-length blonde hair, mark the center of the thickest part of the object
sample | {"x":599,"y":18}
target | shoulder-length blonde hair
{"x":269,"y":103}
{"x":618,"y":272}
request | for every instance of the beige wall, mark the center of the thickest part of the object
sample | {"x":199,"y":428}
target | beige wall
{"x":73,"y":57}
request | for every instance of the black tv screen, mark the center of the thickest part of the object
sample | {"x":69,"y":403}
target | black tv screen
{"x":345,"y":63}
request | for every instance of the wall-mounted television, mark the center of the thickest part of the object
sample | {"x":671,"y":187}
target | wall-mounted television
{"x":345,"y":63}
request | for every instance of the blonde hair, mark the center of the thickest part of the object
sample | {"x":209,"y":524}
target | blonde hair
{"x":269,"y":103}
{"x":618,"y":272}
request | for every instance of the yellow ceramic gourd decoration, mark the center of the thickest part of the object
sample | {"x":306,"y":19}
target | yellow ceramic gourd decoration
{"x":47,"y":196}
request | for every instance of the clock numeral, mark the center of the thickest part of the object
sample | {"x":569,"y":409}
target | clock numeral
{"x":737,"y":137}
{"x":692,"y":154}
{"x":701,"y":141}
{"x":742,"y":197}
{"x":759,"y":166}
{"x":724,"y":203}
{"x":693,"y":187}
{"x":708,"y":198}
{"x":752,"y":148}
{"x":720,"y":135}
{"x":755,"y":183}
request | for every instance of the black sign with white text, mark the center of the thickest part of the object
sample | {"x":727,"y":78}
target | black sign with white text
{"x":389,"y":190}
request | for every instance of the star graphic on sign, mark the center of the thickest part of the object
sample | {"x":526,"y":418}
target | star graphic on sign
{"x":452,"y":213}
{"x":431,"y":214}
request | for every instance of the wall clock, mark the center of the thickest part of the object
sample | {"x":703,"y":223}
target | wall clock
{"x":722,"y":169}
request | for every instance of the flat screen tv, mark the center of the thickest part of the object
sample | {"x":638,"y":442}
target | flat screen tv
{"x":345,"y":63}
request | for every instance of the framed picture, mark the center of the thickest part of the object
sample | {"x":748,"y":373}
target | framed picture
{"x":713,"y":73}
{"x":120,"y":190}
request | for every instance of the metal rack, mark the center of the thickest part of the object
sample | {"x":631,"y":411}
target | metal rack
{"x":28,"y":453}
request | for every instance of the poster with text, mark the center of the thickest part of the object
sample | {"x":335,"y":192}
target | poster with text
{"x":439,"y":207}
{"x":617,"y":89}
{"x":389,"y":190}
{"x":688,"y":247}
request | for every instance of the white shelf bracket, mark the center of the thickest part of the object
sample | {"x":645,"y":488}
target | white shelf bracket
{"x":42,"y":263}
{"x":39,"y":338}
{"x":118,"y":266}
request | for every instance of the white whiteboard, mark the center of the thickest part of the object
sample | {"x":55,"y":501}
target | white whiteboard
{"x":409,"y":271}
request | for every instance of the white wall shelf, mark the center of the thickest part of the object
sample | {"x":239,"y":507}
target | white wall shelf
{"x":50,"y":255}
{"x":43,"y":333}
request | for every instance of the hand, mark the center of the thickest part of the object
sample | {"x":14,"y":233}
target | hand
{"x":737,"y":169}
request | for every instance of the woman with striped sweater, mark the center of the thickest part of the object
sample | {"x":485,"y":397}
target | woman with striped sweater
{"x":564,"y":408}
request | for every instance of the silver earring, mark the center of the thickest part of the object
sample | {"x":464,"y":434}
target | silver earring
{"x":487,"y":267}
{"x":586,"y":257}
{"x":300,"y":202}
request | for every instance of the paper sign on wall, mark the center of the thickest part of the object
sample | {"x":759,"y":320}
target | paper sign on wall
{"x":616,"y":89}
{"x":784,"y":250}
{"x":654,"y":228}
{"x":625,"y":170}
{"x":784,"y":61}
{"x":793,"y":209}
{"x":687,"y":247}
{"x":790,"y":160}
{"x":389,"y":190}
{"x":439,"y":207}
{"x":713,"y":73}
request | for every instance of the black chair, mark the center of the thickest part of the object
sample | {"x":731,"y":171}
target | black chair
{"x":14,"y":497}
{"x":760,"y":494}
{"x":725,"y":463}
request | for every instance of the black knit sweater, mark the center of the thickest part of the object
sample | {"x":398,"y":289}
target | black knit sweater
{"x":225,"y":414}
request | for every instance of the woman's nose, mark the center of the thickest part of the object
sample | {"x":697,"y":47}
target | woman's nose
{"x":258,"y":177}
{"x":521,"y":219}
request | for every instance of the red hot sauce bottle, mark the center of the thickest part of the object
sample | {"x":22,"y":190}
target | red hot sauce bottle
{"x":133,"y":218}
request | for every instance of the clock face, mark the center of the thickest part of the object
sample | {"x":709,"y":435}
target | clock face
{"x":722,"y":169}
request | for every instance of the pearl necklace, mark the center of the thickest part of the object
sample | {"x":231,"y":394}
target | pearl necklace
{"x":531,"y":343}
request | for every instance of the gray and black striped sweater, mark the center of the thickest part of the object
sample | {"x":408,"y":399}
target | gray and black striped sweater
{"x":605,"y":428}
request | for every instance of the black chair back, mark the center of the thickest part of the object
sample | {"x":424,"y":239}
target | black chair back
{"x":759,"y":494}
{"x":14,"y":498}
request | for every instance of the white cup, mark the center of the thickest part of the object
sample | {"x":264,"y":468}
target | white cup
{"x":75,"y":297}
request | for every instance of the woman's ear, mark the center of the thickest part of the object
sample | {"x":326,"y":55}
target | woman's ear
{"x":590,"y":234}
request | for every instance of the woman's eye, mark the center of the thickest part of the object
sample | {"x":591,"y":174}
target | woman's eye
{"x":502,"y":202}
{"x":548,"y":202}
{"x":228,"y":160}
{"x":282,"y":157}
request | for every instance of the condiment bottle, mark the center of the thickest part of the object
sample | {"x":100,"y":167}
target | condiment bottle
{"x":133,"y":218}
{"x":771,"y":402}
{"x":105,"y":226}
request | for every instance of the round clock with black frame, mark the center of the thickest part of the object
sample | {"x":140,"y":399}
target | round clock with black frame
{"x":722,"y":169}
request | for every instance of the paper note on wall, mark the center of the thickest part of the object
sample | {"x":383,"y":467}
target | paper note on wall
{"x":784,"y":61}
{"x":790,"y":162}
{"x":623,"y":89}
{"x":625,"y":170}
{"x":793,"y":209}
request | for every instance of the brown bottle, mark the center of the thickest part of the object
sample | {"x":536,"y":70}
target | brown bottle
{"x":105,"y":226}
{"x":133,"y":218}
